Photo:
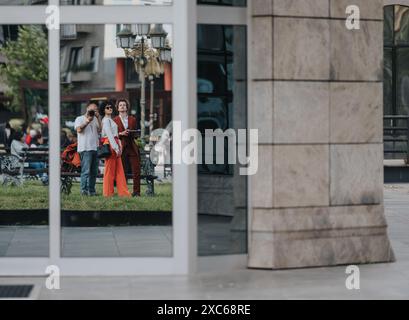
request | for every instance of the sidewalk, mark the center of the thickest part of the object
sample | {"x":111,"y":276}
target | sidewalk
{"x":379,"y":281}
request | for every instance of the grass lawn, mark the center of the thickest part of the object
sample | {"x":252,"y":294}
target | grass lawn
{"x":33,"y":195}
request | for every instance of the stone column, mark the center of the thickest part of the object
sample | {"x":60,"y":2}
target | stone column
{"x":317,"y":199}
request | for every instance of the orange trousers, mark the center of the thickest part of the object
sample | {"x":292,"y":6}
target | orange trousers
{"x":114,"y":171}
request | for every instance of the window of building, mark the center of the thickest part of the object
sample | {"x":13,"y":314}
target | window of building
{"x":75,"y":58}
{"x":221,"y":103}
{"x":233,"y":3}
{"x":95,"y":58}
{"x":396,"y":79}
{"x":117,"y":2}
{"x":8,"y":32}
{"x":22,"y":2}
{"x":24,"y":142}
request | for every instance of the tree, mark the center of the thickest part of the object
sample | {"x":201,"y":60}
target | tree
{"x":26,"y":59}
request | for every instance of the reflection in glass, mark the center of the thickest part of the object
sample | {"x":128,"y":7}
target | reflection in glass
{"x":233,"y":3}
{"x":94,"y":69}
{"x":396,"y":77}
{"x":23,"y":2}
{"x":401,"y":25}
{"x":117,"y":2}
{"x":388,"y":82}
{"x":403,"y":81}
{"x":222,"y":192}
{"x":24,"y":141}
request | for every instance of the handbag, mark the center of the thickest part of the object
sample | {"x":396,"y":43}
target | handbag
{"x":104,"y":151}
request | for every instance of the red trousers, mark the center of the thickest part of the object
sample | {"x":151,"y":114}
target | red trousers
{"x":135,"y":164}
{"x":114,"y":172}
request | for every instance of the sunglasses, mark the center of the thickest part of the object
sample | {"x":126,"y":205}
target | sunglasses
{"x":108,"y":108}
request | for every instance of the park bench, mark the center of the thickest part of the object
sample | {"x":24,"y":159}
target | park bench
{"x":4,"y":149}
{"x":69,"y":174}
{"x":15,"y":170}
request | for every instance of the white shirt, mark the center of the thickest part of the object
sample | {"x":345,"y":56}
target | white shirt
{"x":110,"y":131}
{"x":88,"y":138}
{"x":16,"y":148}
{"x":125,"y":122}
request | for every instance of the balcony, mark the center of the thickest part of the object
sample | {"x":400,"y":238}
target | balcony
{"x":81,"y":73}
{"x":81,"y":76}
{"x":85,"y":28}
{"x":69,"y":32}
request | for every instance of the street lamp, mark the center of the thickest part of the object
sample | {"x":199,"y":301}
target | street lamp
{"x":125,"y":39}
{"x":158,"y":36}
{"x":148,"y":57}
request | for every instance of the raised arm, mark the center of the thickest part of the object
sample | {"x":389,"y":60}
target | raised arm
{"x":80,"y":124}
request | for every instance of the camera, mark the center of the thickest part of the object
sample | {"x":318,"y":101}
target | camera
{"x":91,"y":113}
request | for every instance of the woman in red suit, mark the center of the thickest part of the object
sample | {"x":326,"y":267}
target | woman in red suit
{"x":127,"y":126}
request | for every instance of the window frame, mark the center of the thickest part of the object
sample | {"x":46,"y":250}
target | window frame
{"x":184,"y":17}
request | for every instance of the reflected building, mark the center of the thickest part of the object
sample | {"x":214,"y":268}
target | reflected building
{"x":23,"y":2}
{"x":93,"y":68}
{"x":116,"y":2}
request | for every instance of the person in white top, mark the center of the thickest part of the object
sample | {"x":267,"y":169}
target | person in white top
{"x":113,"y":171}
{"x":18,"y":145}
{"x":88,"y":127}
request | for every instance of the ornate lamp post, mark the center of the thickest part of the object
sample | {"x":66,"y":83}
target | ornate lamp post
{"x":147,"y":56}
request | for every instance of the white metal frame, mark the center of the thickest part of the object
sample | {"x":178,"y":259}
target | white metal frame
{"x":184,"y":16}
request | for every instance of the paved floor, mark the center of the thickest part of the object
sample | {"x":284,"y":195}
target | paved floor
{"x":215,"y":237}
{"x":378,"y":281}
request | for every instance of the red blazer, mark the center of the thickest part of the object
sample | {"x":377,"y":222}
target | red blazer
{"x":128,"y":143}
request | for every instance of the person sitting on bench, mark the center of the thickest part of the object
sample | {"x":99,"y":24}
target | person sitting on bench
{"x":17,"y":149}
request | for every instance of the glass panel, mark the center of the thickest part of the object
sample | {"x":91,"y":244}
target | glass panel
{"x":126,"y":209}
{"x":233,"y":3}
{"x":402,"y":95}
{"x":388,"y":25}
{"x":388,"y":82}
{"x":388,"y":93}
{"x":402,"y":85}
{"x":23,"y":2}
{"x":401,"y":25}
{"x":118,"y":2}
{"x":24,"y":141}
{"x":222,"y":94}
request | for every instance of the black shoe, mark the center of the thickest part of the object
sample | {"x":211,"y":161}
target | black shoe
{"x":136,"y":195}
{"x":84,"y":193}
{"x":93,"y":194}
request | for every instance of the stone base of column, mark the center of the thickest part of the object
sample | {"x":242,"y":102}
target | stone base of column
{"x":317,"y":237}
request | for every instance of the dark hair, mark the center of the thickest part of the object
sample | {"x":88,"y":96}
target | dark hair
{"x":92,"y":102}
{"x":128,"y":105}
{"x":104,"y":105}
{"x":18,"y":135}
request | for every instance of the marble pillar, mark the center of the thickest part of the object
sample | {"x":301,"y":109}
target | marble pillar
{"x":316,"y":97}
